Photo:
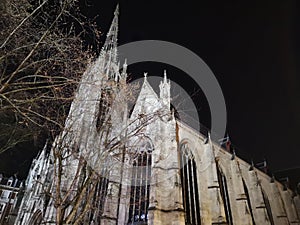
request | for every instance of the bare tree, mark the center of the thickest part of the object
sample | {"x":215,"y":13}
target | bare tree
{"x":42,"y":57}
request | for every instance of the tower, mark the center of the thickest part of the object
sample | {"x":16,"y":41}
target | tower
{"x":77,"y":162}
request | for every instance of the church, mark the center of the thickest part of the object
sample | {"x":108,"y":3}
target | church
{"x":115,"y":165}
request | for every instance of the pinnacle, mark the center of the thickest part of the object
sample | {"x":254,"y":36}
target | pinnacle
{"x":116,"y":13}
{"x":165,"y":76}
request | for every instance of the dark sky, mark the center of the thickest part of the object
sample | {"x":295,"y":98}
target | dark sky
{"x":252,"y":48}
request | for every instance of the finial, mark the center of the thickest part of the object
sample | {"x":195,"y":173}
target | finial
{"x":209,"y":137}
{"x":124,"y":67}
{"x":145,"y":75}
{"x":272,"y":178}
{"x":205,"y":141}
{"x":252,"y":165}
{"x":233,"y":154}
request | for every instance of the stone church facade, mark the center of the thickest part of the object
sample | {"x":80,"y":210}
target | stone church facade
{"x":170,"y":174}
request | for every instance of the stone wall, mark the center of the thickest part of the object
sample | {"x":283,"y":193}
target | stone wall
{"x":254,"y":196}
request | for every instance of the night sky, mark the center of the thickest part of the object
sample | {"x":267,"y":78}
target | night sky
{"x":252,"y":48}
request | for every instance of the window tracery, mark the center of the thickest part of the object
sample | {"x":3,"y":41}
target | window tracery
{"x":188,"y":173}
{"x":140,"y":181}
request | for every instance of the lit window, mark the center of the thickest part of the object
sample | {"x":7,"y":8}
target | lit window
{"x":140,"y":183}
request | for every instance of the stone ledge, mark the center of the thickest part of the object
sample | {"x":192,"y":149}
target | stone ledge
{"x":165,"y":210}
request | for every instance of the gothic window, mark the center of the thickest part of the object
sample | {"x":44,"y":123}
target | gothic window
{"x":36,"y":218}
{"x":140,"y":183}
{"x":189,"y":186}
{"x":248,"y":201}
{"x":268,"y":207}
{"x":99,"y":198}
{"x":225,"y":195}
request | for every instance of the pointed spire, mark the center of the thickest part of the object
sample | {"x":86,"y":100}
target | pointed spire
{"x":111,"y":41}
{"x":109,"y":52}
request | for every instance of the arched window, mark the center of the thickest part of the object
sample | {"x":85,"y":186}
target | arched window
{"x":225,"y":195}
{"x":100,"y":195}
{"x":268,"y":207}
{"x":140,"y":182}
{"x":36,"y":218}
{"x":188,"y":173}
{"x":99,"y":190}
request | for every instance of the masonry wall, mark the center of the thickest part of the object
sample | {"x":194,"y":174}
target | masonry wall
{"x":254,"y":197}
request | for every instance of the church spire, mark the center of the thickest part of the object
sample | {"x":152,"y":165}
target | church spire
{"x":109,"y":52}
{"x":111,"y":41}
